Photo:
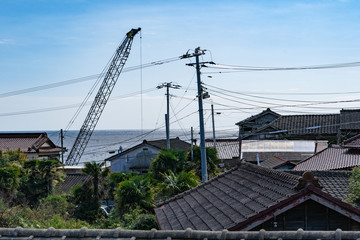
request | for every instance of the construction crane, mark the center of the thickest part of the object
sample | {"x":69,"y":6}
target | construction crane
{"x":101,"y":98}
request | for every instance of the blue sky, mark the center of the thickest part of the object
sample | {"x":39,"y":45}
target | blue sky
{"x":43,"y":42}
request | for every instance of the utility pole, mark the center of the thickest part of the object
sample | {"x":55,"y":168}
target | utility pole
{"x":62,"y":145}
{"x":192,"y":144}
{"x":204,"y":174}
{"x":201,"y":95}
{"x":213,"y":125}
{"x":167,"y":116}
{"x":240,"y":141}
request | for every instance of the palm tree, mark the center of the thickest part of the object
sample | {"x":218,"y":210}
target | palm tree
{"x":133,"y":193}
{"x":175,"y":184}
{"x":95,"y":170}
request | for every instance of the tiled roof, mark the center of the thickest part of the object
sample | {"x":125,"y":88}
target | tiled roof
{"x":27,"y":142}
{"x":350,"y":119}
{"x":314,"y":123}
{"x":263,"y":156}
{"x":298,"y":124}
{"x":331,"y":158}
{"x":188,"y":234}
{"x":226,"y":200}
{"x":226,"y":148}
{"x":335,"y":183}
{"x":249,"y":195}
{"x":275,"y":162}
{"x":175,"y":143}
{"x":70,"y":181}
{"x":353,"y":142}
{"x":267,"y":111}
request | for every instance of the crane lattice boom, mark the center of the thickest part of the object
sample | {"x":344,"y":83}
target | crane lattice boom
{"x":98,"y":105}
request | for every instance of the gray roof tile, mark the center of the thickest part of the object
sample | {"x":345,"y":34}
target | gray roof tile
{"x":121,"y":234}
{"x":297,"y":124}
{"x":353,"y":142}
{"x":333,"y":182}
{"x":231,"y":197}
{"x":330,"y":159}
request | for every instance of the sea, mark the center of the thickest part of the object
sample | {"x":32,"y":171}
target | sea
{"x":106,"y":143}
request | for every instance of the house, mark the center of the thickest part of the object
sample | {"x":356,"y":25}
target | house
{"x":34,"y":145}
{"x":249,"y":125}
{"x":344,"y":157}
{"x":139,"y":157}
{"x":332,"y":127}
{"x":251,"y":197}
{"x":263,"y":150}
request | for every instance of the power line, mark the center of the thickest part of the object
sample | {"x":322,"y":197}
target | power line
{"x":270,"y":98}
{"x":83,"y":79}
{"x":256,"y":68}
{"x":68,"y":106}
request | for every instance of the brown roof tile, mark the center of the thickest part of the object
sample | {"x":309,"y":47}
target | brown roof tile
{"x":27,"y":142}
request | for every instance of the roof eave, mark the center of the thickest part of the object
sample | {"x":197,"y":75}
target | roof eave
{"x":310,"y":192}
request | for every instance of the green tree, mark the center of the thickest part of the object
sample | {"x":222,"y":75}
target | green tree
{"x":99,"y":176}
{"x":87,"y":208}
{"x":169,"y":160}
{"x":37,"y":180}
{"x":211,"y":159}
{"x":9,"y":183}
{"x":354,"y":187}
{"x":133,"y":193}
{"x":175,"y":184}
{"x":11,"y":163}
{"x":115,"y":179}
{"x":12,"y":157}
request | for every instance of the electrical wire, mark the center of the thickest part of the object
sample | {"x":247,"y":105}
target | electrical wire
{"x":256,"y":68}
{"x":261,"y":97}
{"x":70,"y":106}
{"x":175,"y":115}
{"x":84,"y":79}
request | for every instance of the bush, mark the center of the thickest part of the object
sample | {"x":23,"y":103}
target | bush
{"x":135,"y":193}
{"x":354,"y":187}
{"x":9,"y":217}
{"x":87,"y":208}
{"x":145,"y":222}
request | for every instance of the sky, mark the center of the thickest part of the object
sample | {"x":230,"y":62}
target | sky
{"x":49,"y":42}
